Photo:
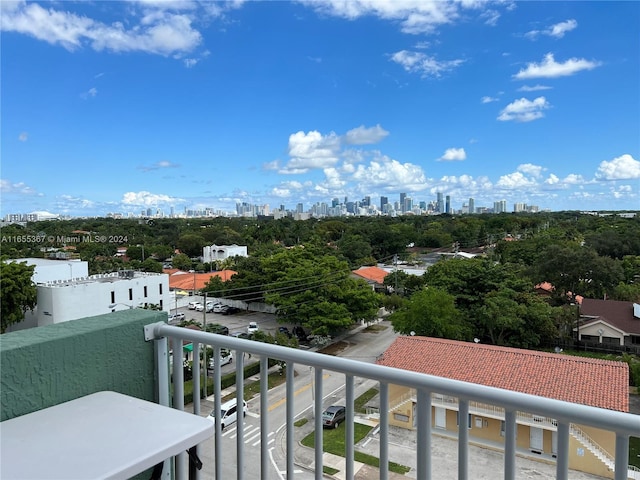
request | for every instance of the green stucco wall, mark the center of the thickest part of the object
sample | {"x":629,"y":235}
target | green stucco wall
{"x":45,"y":366}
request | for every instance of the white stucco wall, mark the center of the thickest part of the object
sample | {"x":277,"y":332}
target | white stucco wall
{"x":212,"y":253}
{"x":66,"y":301}
{"x":49,"y":270}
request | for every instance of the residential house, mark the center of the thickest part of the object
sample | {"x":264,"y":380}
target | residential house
{"x":586,"y":381}
{"x":192,"y":281}
{"x":610,"y":323}
{"x":374,"y":276}
{"x":212,"y":253}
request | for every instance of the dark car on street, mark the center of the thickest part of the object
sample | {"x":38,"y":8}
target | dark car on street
{"x":333,"y":416}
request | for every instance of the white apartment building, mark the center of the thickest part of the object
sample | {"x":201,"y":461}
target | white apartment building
{"x":49,"y":270}
{"x":67,"y":292}
{"x":213,"y":253}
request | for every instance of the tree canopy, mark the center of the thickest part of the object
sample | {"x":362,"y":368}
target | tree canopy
{"x":17,"y":291}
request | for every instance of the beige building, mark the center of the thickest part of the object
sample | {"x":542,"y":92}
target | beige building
{"x":599,"y":383}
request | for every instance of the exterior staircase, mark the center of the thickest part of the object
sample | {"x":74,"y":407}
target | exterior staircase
{"x":600,"y":453}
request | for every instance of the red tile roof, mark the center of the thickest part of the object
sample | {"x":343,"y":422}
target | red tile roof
{"x":599,"y":383}
{"x":189,"y":281}
{"x":375,"y":274}
{"x":615,"y":313}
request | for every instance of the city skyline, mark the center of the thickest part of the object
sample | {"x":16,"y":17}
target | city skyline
{"x":125,"y":106}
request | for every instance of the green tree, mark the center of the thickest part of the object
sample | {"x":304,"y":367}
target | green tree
{"x":191,"y":244}
{"x":181,"y":262}
{"x":151,"y":265}
{"x":430,"y":312}
{"x":17,"y":291}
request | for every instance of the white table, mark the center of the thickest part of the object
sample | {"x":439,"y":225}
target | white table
{"x":103,"y":435}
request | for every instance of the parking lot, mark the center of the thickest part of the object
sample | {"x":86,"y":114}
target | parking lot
{"x":237,"y":322}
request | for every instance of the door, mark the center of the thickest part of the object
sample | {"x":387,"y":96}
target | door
{"x":554,"y":442}
{"x":441,"y":418}
{"x":535,"y":439}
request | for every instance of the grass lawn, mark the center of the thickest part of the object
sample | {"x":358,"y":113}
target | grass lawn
{"x":362,"y":400}
{"x":334,"y":442}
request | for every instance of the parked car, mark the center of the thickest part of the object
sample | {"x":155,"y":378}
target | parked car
{"x":228,"y":413}
{"x":285,"y":331}
{"x":192,"y":305}
{"x":218,"y":307}
{"x":333,"y":416}
{"x":244,"y":335}
{"x":226,"y":358}
{"x":252,"y":328}
{"x":227,"y":310}
{"x":217,"y":328}
{"x":176,"y":317}
{"x":210,"y":307}
{"x":199,"y":307}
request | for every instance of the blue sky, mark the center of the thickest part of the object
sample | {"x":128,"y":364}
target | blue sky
{"x":121,"y":106}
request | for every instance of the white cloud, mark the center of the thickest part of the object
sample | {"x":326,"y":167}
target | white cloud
{"x":488,"y":99}
{"x":23,"y":137}
{"x":552,"y":180}
{"x":624,"y":167}
{"x":425,"y":65}
{"x":549,"y":68}
{"x":535,"y":88}
{"x":20,"y":188}
{"x":415,"y":16}
{"x":190,"y":62}
{"x":387,"y":173}
{"x":147,"y":199}
{"x":530,"y":169}
{"x":158,"y":165}
{"x":160,"y":32}
{"x":557,"y":31}
{"x":524,"y":110}
{"x":362,"y":135}
{"x":92,"y":92}
{"x":515,"y":180}
{"x":454,"y":154}
{"x":312,"y":150}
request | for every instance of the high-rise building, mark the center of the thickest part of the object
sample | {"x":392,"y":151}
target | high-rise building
{"x":335,"y":202}
{"x":402,"y":198}
{"x":440,"y":203}
{"x":447,"y":207}
{"x":383,"y":201}
{"x":472,"y":206}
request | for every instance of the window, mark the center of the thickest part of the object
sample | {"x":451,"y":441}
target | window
{"x":113,"y":297}
{"x":400,"y":417}
{"x":589,"y":338}
{"x":635,"y":339}
{"x":160,"y":304}
{"x":458,"y":420}
{"x":145,"y":291}
{"x":160,"y":288}
{"x":131,"y":294}
{"x":611,"y":340}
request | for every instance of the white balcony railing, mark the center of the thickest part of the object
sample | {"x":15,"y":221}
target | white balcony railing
{"x":468,"y":396}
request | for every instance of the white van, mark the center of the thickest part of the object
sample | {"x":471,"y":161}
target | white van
{"x":228,"y":412}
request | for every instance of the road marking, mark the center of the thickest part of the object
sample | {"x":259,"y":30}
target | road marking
{"x":269,"y":442}
{"x":304,"y":388}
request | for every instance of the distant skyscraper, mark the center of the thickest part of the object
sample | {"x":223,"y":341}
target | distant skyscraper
{"x":366,"y":201}
{"x":402,"y":197}
{"x":299,"y":208}
{"x":447,"y":207}
{"x":500,"y":207}
{"x":440,"y":202}
{"x":472,"y":206}
{"x":383,"y":201}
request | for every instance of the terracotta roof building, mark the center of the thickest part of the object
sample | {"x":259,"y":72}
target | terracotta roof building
{"x":597,"y":383}
{"x":196,"y":281}
{"x":373,"y":275}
